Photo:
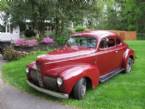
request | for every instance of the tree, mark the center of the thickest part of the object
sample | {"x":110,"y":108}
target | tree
{"x":101,"y":14}
{"x":59,"y":12}
{"x":122,"y":15}
{"x":3,"y":5}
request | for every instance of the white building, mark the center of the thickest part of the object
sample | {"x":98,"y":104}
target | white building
{"x":9,"y":35}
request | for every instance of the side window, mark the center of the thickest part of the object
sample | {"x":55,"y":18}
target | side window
{"x":118,"y":41}
{"x":111,"y":42}
{"x":103,"y":43}
{"x":107,"y":42}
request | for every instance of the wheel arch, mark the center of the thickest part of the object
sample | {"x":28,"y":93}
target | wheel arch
{"x":90,"y":73}
{"x":131,"y":56}
{"x":129,"y":53}
{"x":89,"y":82}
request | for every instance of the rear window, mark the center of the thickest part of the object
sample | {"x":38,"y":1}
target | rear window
{"x":118,"y":41}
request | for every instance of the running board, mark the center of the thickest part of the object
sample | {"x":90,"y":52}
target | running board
{"x":110,"y":75}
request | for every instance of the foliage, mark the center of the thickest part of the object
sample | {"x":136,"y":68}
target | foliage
{"x":125,"y":91}
{"x":79,"y":28}
{"x":61,"y":40}
{"x":10,"y":54}
{"x":133,"y":15}
{"x":26,"y":42}
{"x":98,"y":14}
{"x":59,"y":12}
{"x":3,"y":5}
{"x":122,"y":15}
{"x":1,"y":28}
{"x":29,"y":33}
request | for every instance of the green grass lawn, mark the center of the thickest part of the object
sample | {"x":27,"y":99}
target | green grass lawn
{"x":125,"y":91}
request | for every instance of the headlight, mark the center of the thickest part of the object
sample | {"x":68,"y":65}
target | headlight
{"x":59,"y":81}
{"x":27,"y":70}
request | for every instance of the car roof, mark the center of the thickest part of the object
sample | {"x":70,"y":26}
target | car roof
{"x":98,"y":34}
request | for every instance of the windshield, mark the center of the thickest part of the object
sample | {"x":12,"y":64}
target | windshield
{"x":88,"y":42}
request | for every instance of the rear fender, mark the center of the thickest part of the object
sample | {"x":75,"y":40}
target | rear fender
{"x":128,"y":53}
{"x":72,"y":75}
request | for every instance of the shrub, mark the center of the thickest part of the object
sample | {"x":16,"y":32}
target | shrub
{"x":29,"y":33}
{"x":61,"y":40}
{"x":26,"y":42}
{"x":10,"y":54}
{"x":47,"y":40}
{"x":80,"y":28}
{"x":62,"y":37}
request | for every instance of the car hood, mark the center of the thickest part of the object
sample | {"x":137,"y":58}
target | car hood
{"x":66,"y":53}
{"x":52,"y":64}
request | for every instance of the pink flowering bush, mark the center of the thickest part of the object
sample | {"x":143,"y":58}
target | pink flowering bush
{"x":26,"y":42}
{"x":47,"y":40}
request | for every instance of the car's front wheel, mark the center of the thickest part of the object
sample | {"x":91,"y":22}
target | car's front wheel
{"x":129,"y":65}
{"x":79,"y":90}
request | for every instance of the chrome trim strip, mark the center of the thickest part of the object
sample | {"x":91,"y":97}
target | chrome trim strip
{"x":48,"y":92}
{"x":72,"y":58}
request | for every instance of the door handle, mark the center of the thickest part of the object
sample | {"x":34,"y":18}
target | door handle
{"x":116,"y":51}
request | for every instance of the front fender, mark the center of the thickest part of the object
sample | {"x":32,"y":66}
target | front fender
{"x":128,"y":53}
{"x":72,"y":75}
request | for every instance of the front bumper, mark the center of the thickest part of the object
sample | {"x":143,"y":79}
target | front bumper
{"x":49,"y":92}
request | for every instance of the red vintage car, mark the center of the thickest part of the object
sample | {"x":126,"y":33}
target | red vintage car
{"x":87,"y":59}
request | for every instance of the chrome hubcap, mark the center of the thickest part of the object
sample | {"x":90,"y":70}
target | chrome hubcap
{"x":83,"y":89}
{"x":129,"y":65}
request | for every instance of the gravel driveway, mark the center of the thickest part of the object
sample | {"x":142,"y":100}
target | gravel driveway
{"x":11,"y":98}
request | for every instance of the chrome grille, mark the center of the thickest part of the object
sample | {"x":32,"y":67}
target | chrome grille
{"x":34,"y":75}
{"x":43,"y":81}
{"x":50,"y":83}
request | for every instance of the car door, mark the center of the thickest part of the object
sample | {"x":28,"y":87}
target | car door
{"x":106,"y":56}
